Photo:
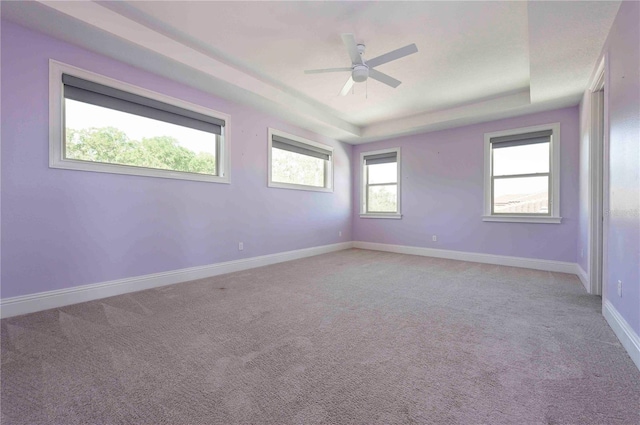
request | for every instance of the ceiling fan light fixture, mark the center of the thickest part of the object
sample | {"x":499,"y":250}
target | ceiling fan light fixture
{"x":361,"y":70}
{"x":360,"y":73}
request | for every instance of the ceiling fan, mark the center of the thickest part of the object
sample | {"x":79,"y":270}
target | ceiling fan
{"x":361,"y":69}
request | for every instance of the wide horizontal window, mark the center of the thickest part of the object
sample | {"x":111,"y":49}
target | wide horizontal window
{"x":297,"y":163}
{"x":119,"y":130}
{"x":381,"y":184}
{"x":522,"y":181}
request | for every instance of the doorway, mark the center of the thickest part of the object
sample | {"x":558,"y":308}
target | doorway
{"x":598,"y":184}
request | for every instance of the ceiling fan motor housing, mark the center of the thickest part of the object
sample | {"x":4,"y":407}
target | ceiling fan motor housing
{"x":360,"y":73}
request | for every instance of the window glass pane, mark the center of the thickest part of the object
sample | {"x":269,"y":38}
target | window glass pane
{"x":521,"y":195}
{"x":526,"y":159}
{"x":295,"y":168}
{"x":383,"y":173}
{"x":98,"y":134}
{"x":382,"y":198}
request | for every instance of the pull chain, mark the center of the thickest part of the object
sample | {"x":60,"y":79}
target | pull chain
{"x":366,"y":89}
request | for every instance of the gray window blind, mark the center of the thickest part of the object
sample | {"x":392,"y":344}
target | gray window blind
{"x":521,"y":139}
{"x":97,"y":94}
{"x":285,"y":144}
{"x":381,"y":158}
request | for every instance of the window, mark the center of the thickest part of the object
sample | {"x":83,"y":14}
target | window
{"x":99,"y":124}
{"x":297,"y":163}
{"x":380,"y":184}
{"x":522,"y":175}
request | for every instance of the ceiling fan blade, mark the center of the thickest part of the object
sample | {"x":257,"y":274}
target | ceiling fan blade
{"x":352,"y":47}
{"x":347,"y":87}
{"x":393,"y":55}
{"x":320,"y":71}
{"x":384,"y":78}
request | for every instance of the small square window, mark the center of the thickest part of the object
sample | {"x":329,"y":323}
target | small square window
{"x":298,"y":163}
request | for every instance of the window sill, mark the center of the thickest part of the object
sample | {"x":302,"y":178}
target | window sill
{"x":101,"y":167}
{"x":382,"y":215}
{"x":522,"y":219}
{"x":299,"y":187}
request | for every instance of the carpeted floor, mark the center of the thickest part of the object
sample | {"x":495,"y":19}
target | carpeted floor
{"x":352,"y":337}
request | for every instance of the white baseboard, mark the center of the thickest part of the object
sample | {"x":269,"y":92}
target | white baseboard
{"x":627,"y":336}
{"x":503,"y":260}
{"x":51,"y":299}
{"x":584,"y":278}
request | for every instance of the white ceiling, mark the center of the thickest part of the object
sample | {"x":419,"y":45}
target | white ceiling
{"x":476,"y":61}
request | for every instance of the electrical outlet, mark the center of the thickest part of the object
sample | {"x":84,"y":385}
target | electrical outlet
{"x":619,"y":288}
{"x":434,"y":238}
{"x":340,"y":233}
{"x":240,"y":246}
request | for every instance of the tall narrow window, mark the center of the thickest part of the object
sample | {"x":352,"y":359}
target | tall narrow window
{"x":381,"y":184}
{"x":298,"y":163}
{"x":521,"y":175}
{"x":128,"y":130}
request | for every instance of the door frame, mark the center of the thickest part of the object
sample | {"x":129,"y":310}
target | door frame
{"x":598,"y":180}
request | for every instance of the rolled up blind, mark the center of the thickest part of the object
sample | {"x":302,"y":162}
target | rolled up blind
{"x":521,"y":139}
{"x":97,"y":94}
{"x":289,"y":145}
{"x":381,"y":158}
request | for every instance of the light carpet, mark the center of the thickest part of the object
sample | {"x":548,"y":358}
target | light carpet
{"x":351,"y":337}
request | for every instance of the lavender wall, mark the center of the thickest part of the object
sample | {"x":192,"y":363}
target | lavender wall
{"x":622,"y":114}
{"x":623,"y":246}
{"x":63,"y":228}
{"x":442,"y":194}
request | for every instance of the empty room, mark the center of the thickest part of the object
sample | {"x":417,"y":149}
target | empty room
{"x":320,"y":212}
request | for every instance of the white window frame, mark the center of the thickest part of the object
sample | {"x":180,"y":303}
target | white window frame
{"x":554,"y":171}
{"x":363,"y":186}
{"x":57,"y":129}
{"x":328,"y":170}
